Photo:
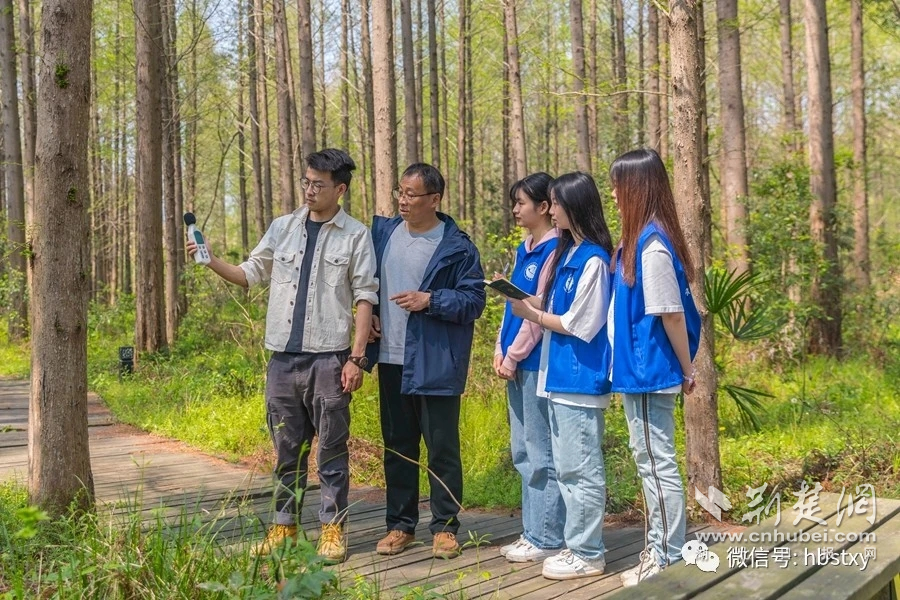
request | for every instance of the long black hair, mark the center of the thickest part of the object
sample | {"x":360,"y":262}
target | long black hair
{"x":577,"y":194}
{"x":536,"y":186}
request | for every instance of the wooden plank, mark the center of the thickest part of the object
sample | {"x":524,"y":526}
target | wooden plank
{"x":851,"y":581}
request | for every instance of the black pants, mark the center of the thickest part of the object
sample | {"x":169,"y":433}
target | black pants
{"x":405,"y":420}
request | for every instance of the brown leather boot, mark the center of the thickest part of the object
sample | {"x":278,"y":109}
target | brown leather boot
{"x":445,"y":545}
{"x":395,"y":542}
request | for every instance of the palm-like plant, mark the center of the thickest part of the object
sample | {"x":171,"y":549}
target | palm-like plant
{"x":728,"y":295}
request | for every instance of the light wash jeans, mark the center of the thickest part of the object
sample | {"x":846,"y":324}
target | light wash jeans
{"x":578,"y":456}
{"x":543,"y":510}
{"x":651,"y":423}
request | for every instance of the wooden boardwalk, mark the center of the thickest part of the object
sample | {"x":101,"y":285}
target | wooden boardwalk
{"x":137,"y":471}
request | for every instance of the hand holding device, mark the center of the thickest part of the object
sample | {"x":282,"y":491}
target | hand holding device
{"x":201,"y":257}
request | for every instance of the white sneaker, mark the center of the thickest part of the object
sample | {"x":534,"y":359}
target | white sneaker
{"x":504,"y":550}
{"x":525,"y":551}
{"x":648,"y":567}
{"x":567,"y":565}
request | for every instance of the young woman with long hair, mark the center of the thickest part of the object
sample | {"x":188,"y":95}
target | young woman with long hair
{"x":654,"y":330}
{"x":516,"y":359}
{"x":574,"y":368}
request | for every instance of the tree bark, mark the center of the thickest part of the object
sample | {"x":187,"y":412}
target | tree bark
{"x":734,"y":143}
{"x":172,"y":275}
{"x":242,"y":145}
{"x":13,"y":175}
{"x":462,"y":113}
{"x":506,"y":154}
{"x":860,"y":192}
{"x":433,"y":98}
{"x":593,"y":75}
{"x":323,"y":128}
{"x":664,"y":87}
{"x":791,"y":125}
{"x":283,"y":96}
{"x":411,"y":116}
{"x":29,"y":118}
{"x":345,"y":87}
{"x":307,"y":83}
{"x":623,"y":133}
{"x":700,"y":410}
{"x":642,"y":110}
{"x":825,"y":327}
{"x":516,"y":106}
{"x":59,"y":467}
{"x":653,"y":101}
{"x":368,"y":93}
{"x":384,"y":98}
{"x":150,"y":324}
{"x":582,"y":131}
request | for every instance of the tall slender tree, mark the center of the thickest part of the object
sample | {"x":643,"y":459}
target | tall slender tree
{"x":384,"y":98}
{"x":791,"y":124}
{"x":242,"y":136}
{"x":307,"y":81}
{"x":825,"y":327}
{"x":59,"y":466}
{"x":12,"y":173}
{"x":253,"y":99}
{"x":369,"y":95}
{"x":653,"y":87}
{"x":433,"y":93}
{"x":700,"y":412}
{"x":345,"y":86}
{"x":664,"y":87}
{"x":26,"y":81}
{"x":462,"y":113}
{"x":285,"y":107}
{"x":860,"y":192}
{"x":582,"y":131}
{"x":411,"y":116}
{"x":734,"y":144}
{"x":516,"y":106}
{"x":150,"y":324}
{"x":623,"y":130}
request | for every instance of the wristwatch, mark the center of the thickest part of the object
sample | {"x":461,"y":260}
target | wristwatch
{"x":360,"y":361}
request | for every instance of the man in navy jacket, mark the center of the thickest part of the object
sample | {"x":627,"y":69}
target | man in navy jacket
{"x":432,"y":290}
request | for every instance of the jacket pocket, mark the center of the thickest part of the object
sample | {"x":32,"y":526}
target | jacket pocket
{"x":335,"y":268}
{"x":282,"y":266}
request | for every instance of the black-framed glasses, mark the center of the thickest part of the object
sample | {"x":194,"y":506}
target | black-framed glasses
{"x":397,"y":194}
{"x":315,"y":185}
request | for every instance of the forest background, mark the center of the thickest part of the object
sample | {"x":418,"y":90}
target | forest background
{"x":210,"y":106}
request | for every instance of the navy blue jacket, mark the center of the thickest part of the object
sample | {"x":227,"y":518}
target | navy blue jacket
{"x":438,"y":339}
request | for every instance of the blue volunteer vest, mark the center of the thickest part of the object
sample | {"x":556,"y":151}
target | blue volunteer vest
{"x":644,"y":360}
{"x":575,"y":366}
{"x":525,"y":275}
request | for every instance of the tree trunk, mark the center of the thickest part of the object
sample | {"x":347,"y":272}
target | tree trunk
{"x":664,"y":88}
{"x":368,"y":92}
{"x":433,"y":97}
{"x":171,"y":214}
{"x":506,"y":154}
{"x":345,"y":87}
{"x":623,"y":134}
{"x":704,"y":109}
{"x":364,"y":164}
{"x":860,"y":195}
{"x":283,"y":101}
{"x":59,"y":465}
{"x":242,"y":126}
{"x":791,"y":125}
{"x":653,"y":91}
{"x":384,"y":98}
{"x":516,"y":106}
{"x":172,"y":82}
{"x":641,"y":116}
{"x":29,"y":119}
{"x":193,"y":107}
{"x":411,"y":117}
{"x":420,"y":79}
{"x":13,"y":175}
{"x":253,"y":96}
{"x":582,"y":131}
{"x":307,"y":83}
{"x":323,"y":128}
{"x":150,"y":325}
{"x":461,"y":140}
{"x":593,"y":75}
{"x":734,"y":144}
{"x":825,"y":327}
{"x":700,"y":410}
{"x":263,"y":101}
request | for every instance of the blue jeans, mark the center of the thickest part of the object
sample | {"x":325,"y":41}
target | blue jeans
{"x":651,"y":424}
{"x":578,"y":456}
{"x":543,"y":510}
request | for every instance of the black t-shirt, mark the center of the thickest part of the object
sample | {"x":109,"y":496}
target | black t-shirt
{"x":295,"y":342}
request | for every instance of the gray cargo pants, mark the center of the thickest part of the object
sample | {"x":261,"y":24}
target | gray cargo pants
{"x":304,"y":397}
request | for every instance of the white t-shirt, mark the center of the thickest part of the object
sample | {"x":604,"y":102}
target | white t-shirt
{"x":584,"y":319}
{"x":661,"y":292}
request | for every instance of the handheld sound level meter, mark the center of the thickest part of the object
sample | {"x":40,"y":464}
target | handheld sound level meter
{"x":201,"y":257}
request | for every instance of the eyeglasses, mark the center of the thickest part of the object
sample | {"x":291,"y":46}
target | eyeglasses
{"x":316,"y":186}
{"x":397,"y":194}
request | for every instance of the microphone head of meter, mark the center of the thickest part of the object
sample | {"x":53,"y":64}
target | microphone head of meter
{"x":189,"y":219}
